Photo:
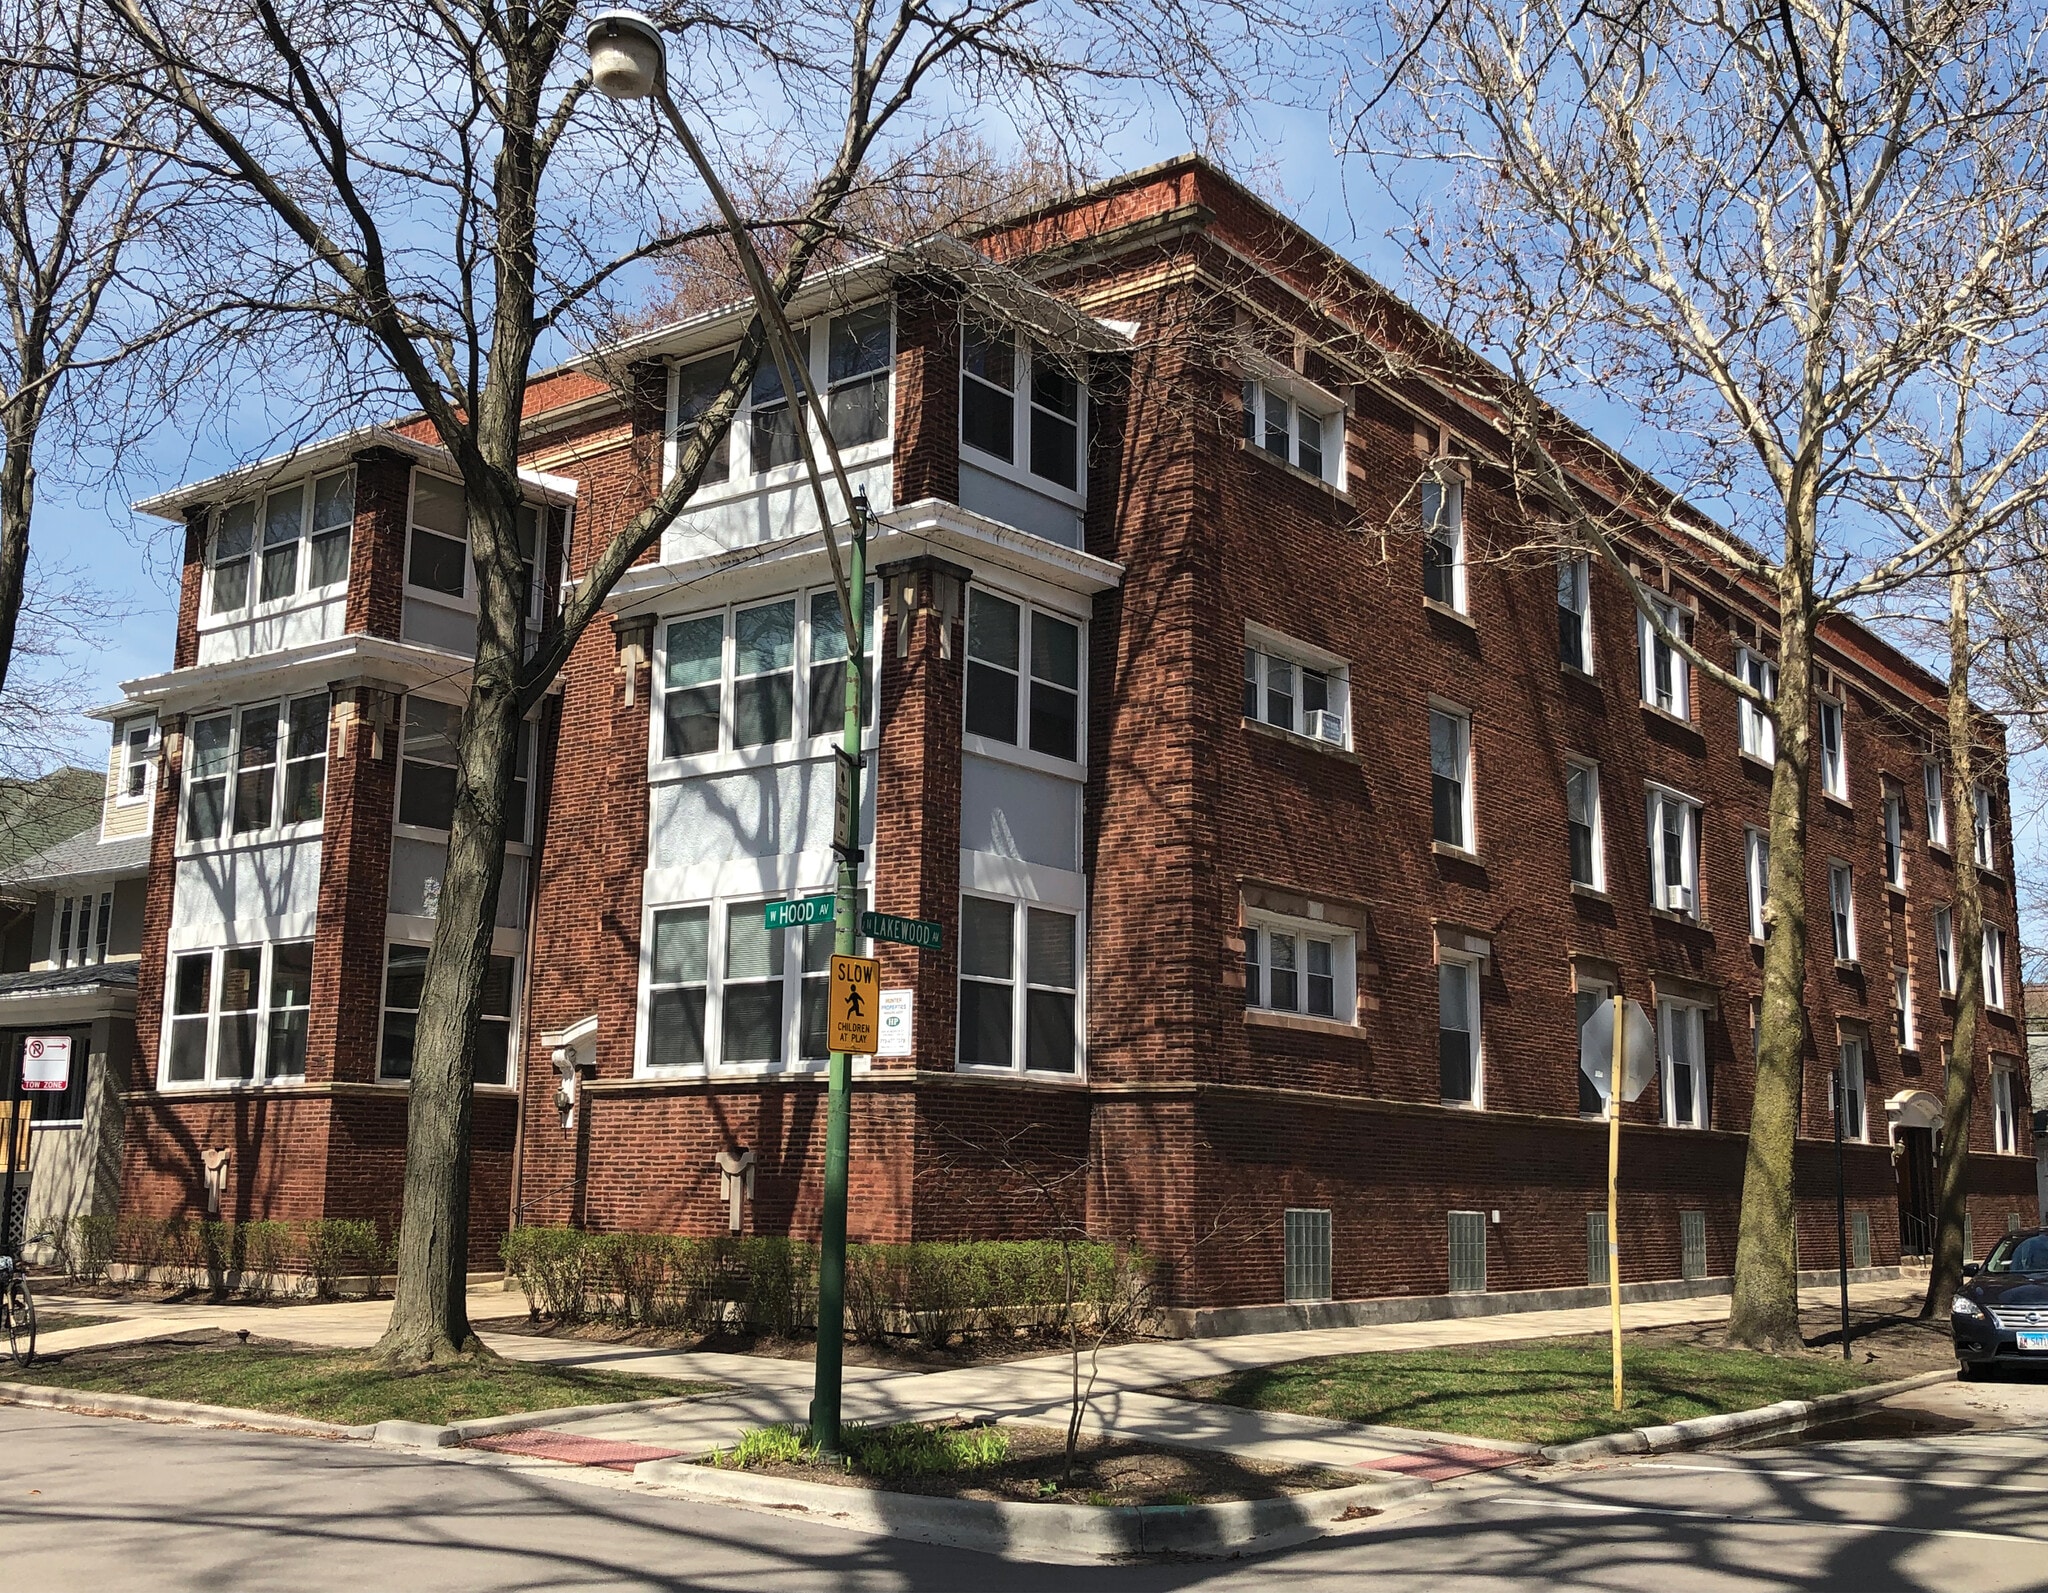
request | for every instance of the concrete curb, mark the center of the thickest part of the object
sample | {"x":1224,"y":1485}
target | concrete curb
{"x":89,"y":1403}
{"x":1784,"y":1416}
{"x":1045,"y":1533}
{"x":423,"y":1435}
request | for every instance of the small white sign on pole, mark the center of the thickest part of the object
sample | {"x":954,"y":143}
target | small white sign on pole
{"x":46,"y":1062}
{"x":896,"y":1024}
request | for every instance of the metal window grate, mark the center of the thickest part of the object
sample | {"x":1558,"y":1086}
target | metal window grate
{"x":1692,"y":1244}
{"x":1859,"y":1238}
{"x":1468,"y":1252}
{"x":1307,"y":1254}
{"x":1596,"y":1249}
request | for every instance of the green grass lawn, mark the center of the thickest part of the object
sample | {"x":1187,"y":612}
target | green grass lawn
{"x":348,"y":1387}
{"x":1544,"y":1392}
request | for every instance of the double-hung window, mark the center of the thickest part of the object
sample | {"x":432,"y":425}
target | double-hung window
{"x":1842,"y":910}
{"x":772,"y":438}
{"x":293,"y":540}
{"x":722,"y":985}
{"x":1894,"y":836}
{"x":1450,"y":778}
{"x":437,"y":556}
{"x":137,"y":741}
{"x":1902,"y":1009}
{"x":1666,"y":676}
{"x":1849,"y":1090}
{"x":1443,"y":541}
{"x":1834,"y":755}
{"x":1575,"y":612}
{"x":1460,"y":1073}
{"x":1038,"y":429}
{"x":1980,"y":804}
{"x":1759,"y":734}
{"x":2005,"y":1117}
{"x":857,"y":361}
{"x":697,"y":386}
{"x":1020,"y":968}
{"x":1937,"y":803}
{"x":1305,"y":433}
{"x":1582,"y":825}
{"x":1294,"y":693}
{"x":1683,"y":1036}
{"x":1994,"y":967}
{"x":1292,"y":968}
{"x":232,"y":783}
{"x":1945,"y":950}
{"x":1756,"y":871}
{"x":426,"y":776}
{"x":1588,"y":996}
{"x":1674,"y":827}
{"x":405,"y":970}
{"x":1023,"y":676}
{"x":238,"y":1014}
{"x":729,"y":678}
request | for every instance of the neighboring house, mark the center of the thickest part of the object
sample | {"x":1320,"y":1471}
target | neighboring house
{"x":81,"y":903}
{"x":2037,"y":1063}
{"x":1281,"y":837}
{"x":35,"y":814}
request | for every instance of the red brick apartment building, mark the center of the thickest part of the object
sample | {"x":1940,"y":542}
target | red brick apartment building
{"x":1277,"y":857}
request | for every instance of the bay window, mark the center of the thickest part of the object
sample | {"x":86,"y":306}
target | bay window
{"x":696,"y":386}
{"x":426,"y":775}
{"x":1023,"y":676}
{"x":437,"y":559}
{"x":1024,"y":409}
{"x":233,"y":766}
{"x":296,"y":539}
{"x":238,"y":1014}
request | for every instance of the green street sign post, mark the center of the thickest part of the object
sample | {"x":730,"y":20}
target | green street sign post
{"x":923,"y":933}
{"x":796,"y":914}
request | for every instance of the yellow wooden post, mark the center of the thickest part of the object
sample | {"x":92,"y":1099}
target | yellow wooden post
{"x":1613,"y":1178}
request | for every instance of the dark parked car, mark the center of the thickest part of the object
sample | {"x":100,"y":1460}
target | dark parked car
{"x":2001,"y":1316}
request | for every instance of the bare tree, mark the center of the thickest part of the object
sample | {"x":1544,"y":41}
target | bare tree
{"x":1752,"y":231}
{"x":449,"y":198}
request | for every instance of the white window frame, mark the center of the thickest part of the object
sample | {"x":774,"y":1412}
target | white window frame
{"x":274,"y":829}
{"x":1756,"y":877}
{"x":1020,"y":989}
{"x":1469,"y":967}
{"x":1945,"y":950}
{"x":741,"y":478}
{"x":254,"y":605}
{"x":215,"y":980}
{"x":152,"y":749}
{"x":1849,"y":1087}
{"x":1299,"y":933}
{"x":1906,"y":1025}
{"x":1674,"y":1016}
{"x":1591,"y":771}
{"x":1650,"y":647}
{"x":1935,"y":793}
{"x":1758,"y":734}
{"x":1021,"y":751}
{"x":1267,"y":649}
{"x":1833,"y":749}
{"x":2005,"y":1120}
{"x":513,"y":1025}
{"x":1659,"y":798}
{"x":466,"y":601}
{"x":1258,"y":396}
{"x":1894,"y":836}
{"x":1983,"y":827}
{"x":1575,"y":582}
{"x":80,"y":926}
{"x":1842,"y":910}
{"x":1017,"y":467}
{"x":1602,"y":992}
{"x":519,"y":845}
{"x":1468,"y":843}
{"x":1994,"y":967}
{"x":803,"y":742}
{"x":1440,"y":500}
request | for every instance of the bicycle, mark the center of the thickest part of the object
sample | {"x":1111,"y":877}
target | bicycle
{"x":17,"y":1311}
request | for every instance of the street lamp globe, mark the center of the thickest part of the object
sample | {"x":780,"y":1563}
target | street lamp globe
{"x":626,"y":54}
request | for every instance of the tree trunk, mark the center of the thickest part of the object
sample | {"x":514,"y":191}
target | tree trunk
{"x":1765,"y":1311}
{"x":17,"y":506}
{"x":1966,"y":940}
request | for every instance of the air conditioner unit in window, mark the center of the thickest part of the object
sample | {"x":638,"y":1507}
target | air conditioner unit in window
{"x":1678,"y":898}
{"x":1324,"y":725}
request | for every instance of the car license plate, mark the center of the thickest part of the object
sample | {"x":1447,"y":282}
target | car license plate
{"x":2034,"y":1341}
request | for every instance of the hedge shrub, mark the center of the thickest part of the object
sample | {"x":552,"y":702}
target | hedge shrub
{"x":261,"y":1256}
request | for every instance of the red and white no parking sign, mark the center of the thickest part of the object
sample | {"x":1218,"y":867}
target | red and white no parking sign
{"x":46,"y":1062}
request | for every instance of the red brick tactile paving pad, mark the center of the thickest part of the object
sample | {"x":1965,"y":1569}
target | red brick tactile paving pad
{"x":573,"y":1449}
{"x":1441,"y":1463}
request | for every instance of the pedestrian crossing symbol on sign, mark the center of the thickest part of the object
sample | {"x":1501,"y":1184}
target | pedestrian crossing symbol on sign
{"x":855,"y":996}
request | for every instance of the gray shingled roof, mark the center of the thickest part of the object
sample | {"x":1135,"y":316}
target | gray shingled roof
{"x":66,"y":981}
{"x":85,"y":853}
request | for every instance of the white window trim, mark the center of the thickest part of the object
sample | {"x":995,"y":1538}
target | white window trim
{"x":1946,"y":972}
{"x":1018,"y":470}
{"x":1935,"y":793}
{"x":1583,"y":563}
{"x":1656,"y":797}
{"x":301,"y":597}
{"x":427,"y":832}
{"x":1834,"y":774}
{"x":216,"y":972}
{"x":1846,"y":952}
{"x":1469,"y":814}
{"x":1587,"y":985}
{"x":1020,"y":988}
{"x":1670,"y":1011}
{"x":1300,"y":393}
{"x":148,"y":761}
{"x":1893,"y":805}
{"x":467,"y":602}
{"x":2005,"y":1120}
{"x":1994,"y":967}
{"x":274,"y":833}
{"x":1452,"y":487}
{"x":1756,"y":877}
{"x":1473,"y":967}
{"x":1983,"y":827}
{"x":94,"y":951}
{"x":1599,"y":880}
{"x":1902,"y":1004}
{"x":742,"y":480}
{"x":1856,"y":1129}
{"x":806,"y":743}
{"x":513,"y":1040}
{"x":1757,"y":735}
{"x":1343,"y":965}
{"x":1677,"y":619}
{"x":1021,"y":752}
{"x":1269,"y":643}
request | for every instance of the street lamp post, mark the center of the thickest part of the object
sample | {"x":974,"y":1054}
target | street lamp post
{"x":628,"y":61}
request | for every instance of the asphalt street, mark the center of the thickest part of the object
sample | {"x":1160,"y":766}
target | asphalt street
{"x":103,"y":1504}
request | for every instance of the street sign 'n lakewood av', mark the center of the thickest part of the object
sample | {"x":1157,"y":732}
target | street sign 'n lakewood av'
{"x":923,"y":933}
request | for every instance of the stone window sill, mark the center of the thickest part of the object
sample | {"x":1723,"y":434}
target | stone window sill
{"x":1456,"y":853}
{"x":1451,"y":613}
{"x":1295,"y":738}
{"x":1301,"y":1023}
